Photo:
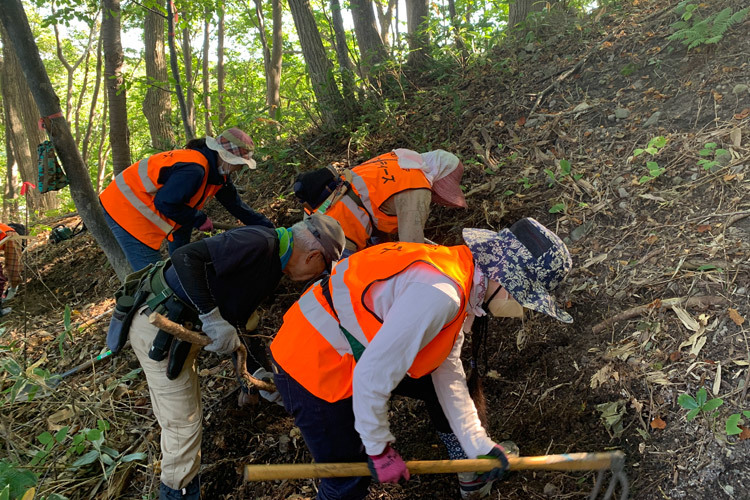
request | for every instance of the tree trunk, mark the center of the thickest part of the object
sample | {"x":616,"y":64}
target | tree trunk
{"x":157,"y":104}
{"x":320,"y":69}
{"x":385,"y":18}
{"x":371,"y":47}
{"x":14,"y":18}
{"x":21,"y":125}
{"x":176,"y":73}
{"x":187,"y":60}
{"x":417,"y":18}
{"x":205,"y":76}
{"x":10,"y":202}
{"x":342,"y":55}
{"x":271,"y":57}
{"x":119,"y":134}
{"x":520,"y":9}
{"x":94,"y":102}
{"x":102,"y":154}
{"x":220,"y":66}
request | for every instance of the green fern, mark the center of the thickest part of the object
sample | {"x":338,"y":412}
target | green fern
{"x":692,"y":30}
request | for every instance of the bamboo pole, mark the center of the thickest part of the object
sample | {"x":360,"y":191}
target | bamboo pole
{"x":568,"y":461}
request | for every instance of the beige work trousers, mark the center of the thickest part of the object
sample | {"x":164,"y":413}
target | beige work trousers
{"x":176,"y":404}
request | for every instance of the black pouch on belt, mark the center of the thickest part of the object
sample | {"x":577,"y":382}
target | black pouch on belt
{"x":179,"y":349}
{"x":178,"y":353}
{"x":128,"y":299}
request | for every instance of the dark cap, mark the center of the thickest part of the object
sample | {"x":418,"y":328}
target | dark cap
{"x":314,"y":187}
{"x":328,"y":232}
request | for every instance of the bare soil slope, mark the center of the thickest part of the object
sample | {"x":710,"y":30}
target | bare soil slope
{"x":548,"y":128}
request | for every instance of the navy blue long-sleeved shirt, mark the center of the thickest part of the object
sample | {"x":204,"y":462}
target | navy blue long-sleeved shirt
{"x":183,"y":180}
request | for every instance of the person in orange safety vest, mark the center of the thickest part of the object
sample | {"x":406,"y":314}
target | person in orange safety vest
{"x":12,"y":268}
{"x":162,"y":196}
{"x":391,"y":319}
{"x":387,"y":194}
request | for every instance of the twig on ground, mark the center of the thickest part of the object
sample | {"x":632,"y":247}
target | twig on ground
{"x":702,"y":302}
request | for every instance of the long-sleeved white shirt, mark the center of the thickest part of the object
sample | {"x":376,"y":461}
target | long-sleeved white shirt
{"x":414,"y":305}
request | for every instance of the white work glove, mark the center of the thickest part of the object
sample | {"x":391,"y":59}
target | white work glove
{"x":11,"y":292}
{"x":273,"y":397}
{"x":222,"y":334}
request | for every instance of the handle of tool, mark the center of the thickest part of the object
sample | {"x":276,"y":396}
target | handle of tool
{"x":568,"y":461}
{"x":182,"y":333}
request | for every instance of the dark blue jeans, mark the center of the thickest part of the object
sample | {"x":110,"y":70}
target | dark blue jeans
{"x":139,"y":254}
{"x":328,"y":428}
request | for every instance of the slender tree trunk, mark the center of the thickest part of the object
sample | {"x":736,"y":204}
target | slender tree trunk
{"x":385,"y":18}
{"x":371,"y":47}
{"x":157,"y":104}
{"x":206,"y":82}
{"x":21,"y":124}
{"x":102,"y":152}
{"x":119,"y":134}
{"x":417,"y":17}
{"x":320,"y":69}
{"x":271,"y":57}
{"x":342,"y":54}
{"x":187,"y":58}
{"x":220,"y":66}
{"x":14,"y":18}
{"x":176,"y":72}
{"x":10,"y":201}
{"x":94,"y":102}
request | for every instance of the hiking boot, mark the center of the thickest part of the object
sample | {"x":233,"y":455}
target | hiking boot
{"x":472,"y":485}
{"x":190,"y":492}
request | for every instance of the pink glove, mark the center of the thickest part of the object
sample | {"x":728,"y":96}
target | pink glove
{"x":388,"y":467}
{"x":206,"y":226}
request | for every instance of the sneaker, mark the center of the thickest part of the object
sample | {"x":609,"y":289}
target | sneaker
{"x":471,"y":484}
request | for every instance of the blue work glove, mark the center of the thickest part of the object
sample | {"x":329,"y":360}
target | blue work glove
{"x":498,"y":472}
{"x":224,"y":338}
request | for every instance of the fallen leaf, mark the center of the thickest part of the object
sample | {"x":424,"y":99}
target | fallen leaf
{"x":745,"y":434}
{"x":717,"y":96}
{"x":686,"y":318}
{"x":729,"y":177}
{"x":703,"y":228}
{"x":735,"y":316}
{"x":651,"y":239}
{"x":742,"y":114}
{"x":601,"y":377}
{"x":656,"y":304}
{"x":736,"y":137}
{"x":675,"y":356}
{"x":658,"y":423}
{"x":521,"y":121}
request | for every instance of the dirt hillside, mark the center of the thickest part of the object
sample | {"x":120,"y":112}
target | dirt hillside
{"x":552,"y":128}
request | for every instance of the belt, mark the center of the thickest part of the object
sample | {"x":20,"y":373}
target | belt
{"x":162,"y":298}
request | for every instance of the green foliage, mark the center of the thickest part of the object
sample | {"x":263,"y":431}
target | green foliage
{"x":653,"y":147}
{"x":23,"y":381}
{"x":67,"y":333}
{"x":698,"y":404}
{"x":732,"y":426}
{"x":557,"y":208}
{"x":710,"y":154}
{"x":14,"y":480}
{"x":693,"y":29}
{"x":109,"y":458}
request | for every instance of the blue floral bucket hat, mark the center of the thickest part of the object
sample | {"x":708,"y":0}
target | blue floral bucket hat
{"x":527,"y":259}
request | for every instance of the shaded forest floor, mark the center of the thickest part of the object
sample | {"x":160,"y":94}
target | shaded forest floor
{"x":611,"y":380}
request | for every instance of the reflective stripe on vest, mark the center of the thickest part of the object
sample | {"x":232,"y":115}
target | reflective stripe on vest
{"x":310,"y":345}
{"x":374,"y":181}
{"x":129,"y":200}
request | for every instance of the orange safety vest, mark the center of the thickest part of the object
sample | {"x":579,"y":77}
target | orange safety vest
{"x":314,"y":344}
{"x":374,"y":182}
{"x":129,"y":200}
{"x":4,"y":230}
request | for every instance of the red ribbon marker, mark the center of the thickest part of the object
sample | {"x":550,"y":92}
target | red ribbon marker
{"x":26,"y":186}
